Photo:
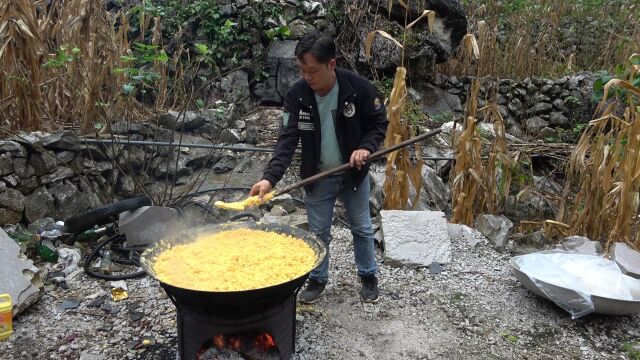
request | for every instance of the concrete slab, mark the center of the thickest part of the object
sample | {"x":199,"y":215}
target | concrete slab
{"x":415,"y":238}
{"x":18,"y":277}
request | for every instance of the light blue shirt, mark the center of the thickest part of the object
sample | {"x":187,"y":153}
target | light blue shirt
{"x":330,"y":155}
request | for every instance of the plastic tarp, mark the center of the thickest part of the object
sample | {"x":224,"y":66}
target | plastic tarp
{"x":584,"y":275}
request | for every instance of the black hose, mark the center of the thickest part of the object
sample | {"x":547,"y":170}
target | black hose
{"x":104,"y":214}
{"x":244,"y":214}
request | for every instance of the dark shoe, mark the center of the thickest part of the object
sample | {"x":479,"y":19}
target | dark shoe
{"x":369,"y":292}
{"x":312,"y":292}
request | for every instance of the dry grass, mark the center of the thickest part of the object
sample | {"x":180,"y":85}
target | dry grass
{"x":605,"y":167}
{"x":84,"y":87}
{"x":63,"y":65}
{"x":477,"y":187}
{"x":403,"y":171}
{"x":518,"y":39}
{"x":20,"y":72}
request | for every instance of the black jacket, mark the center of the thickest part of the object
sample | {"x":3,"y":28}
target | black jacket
{"x":361,"y":124}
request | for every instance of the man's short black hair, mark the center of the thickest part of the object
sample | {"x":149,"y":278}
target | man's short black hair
{"x":317,"y":44}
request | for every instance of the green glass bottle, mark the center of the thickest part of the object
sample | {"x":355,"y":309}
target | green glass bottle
{"x":47,"y":252}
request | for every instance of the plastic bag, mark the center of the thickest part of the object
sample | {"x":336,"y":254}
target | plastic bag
{"x":570,"y":279}
{"x":68,"y":260}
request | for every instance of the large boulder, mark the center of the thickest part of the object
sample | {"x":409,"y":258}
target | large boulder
{"x":38,"y":205}
{"x":188,"y":120}
{"x":6,"y":165}
{"x":12,"y":147}
{"x":582,"y":245}
{"x":283,"y":71}
{"x":529,"y":243}
{"x":61,"y":173}
{"x":235,"y":87}
{"x":72,"y":200}
{"x":415,"y":238}
{"x":65,"y":140}
{"x":43,"y":163}
{"x":162,"y":167}
{"x":426,"y":48}
{"x":472,"y":236}
{"x":297,"y":219}
{"x":627,"y":258}
{"x":20,"y":278}
{"x":437,"y":102}
{"x":496,"y":228}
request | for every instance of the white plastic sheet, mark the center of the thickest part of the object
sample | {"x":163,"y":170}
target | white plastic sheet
{"x":570,"y":279}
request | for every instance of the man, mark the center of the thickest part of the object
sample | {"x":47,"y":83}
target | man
{"x":339,"y":117}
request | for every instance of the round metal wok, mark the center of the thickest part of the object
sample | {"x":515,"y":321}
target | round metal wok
{"x":601,"y":304}
{"x":261,"y":297}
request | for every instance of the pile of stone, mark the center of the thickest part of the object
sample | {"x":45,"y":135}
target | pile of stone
{"x":534,"y":106}
{"x":41,"y":176}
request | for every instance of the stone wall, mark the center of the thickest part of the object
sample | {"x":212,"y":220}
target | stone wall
{"x":534,"y":106}
{"x":39,"y":175}
{"x":55,"y":175}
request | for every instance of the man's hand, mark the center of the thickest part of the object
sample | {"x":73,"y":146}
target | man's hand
{"x":358,"y":158}
{"x":260,"y":188}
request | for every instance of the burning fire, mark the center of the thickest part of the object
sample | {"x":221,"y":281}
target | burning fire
{"x":264,"y":342}
{"x":218,"y":342}
{"x":235,"y":343}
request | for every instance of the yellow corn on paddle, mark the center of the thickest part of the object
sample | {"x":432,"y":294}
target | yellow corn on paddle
{"x":255,"y":201}
{"x":246,"y":203}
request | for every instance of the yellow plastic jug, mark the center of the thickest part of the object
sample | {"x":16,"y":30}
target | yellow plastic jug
{"x":6,"y":316}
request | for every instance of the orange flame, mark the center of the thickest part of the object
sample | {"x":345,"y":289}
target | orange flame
{"x":264,"y":342}
{"x":218,"y":341}
{"x":235,"y":343}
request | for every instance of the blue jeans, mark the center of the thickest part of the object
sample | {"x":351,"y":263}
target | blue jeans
{"x":320,"y":203}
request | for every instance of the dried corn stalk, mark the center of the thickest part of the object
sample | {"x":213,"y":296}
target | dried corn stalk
{"x":606,"y":167}
{"x":78,"y":90}
{"x":467,"y":192}
{"x":20,"y":72}
{"x":498,"y":159}
{"x":477,"y":186}
{"x":402,"y":173}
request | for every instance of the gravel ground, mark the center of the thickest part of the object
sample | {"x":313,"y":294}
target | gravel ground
{"x":474,"y":309}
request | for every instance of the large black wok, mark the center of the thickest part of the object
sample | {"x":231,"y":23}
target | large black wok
{"x":228,"y":303}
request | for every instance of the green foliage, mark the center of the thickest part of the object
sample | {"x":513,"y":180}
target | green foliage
{"x":484,"y":133}
{"x":442,"y":117}
{"x":139,"y":73}
{"x":64,"y":55}
{"x":509,"y":336}
{"x":281,"y":32}
{"x":336,"y":11}
{"x":221,"y":33}
{"x":572,"y":101}
{"x":412,"y":113}
{"x":515,"y":5}
{"x":619,"y":72}
{"x":519,"y":173}
{"x":632,"y":348}
{"x":571,"y":135}
{"x":271,"y":10}
{"x":384,"y":86}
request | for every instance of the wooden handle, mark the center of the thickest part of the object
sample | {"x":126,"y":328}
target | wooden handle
{"x":347,"y":166}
